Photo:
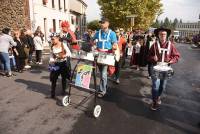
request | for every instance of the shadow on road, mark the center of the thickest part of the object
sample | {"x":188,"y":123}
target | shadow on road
{"x":168,"y":114}
{"x":36,"y":86}
{"x":125,"y":98}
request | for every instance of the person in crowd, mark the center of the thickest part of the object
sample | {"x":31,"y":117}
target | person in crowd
{"x":121,"y":46}
{"x":135,"y":58}
{"x":77,"y":33}
{"x":88,"y":40}
{"x":38,"y":47}
{"x":49,"y":36}
{"x":24,"y":41}
{"x":68,"y":37}
{"x":124,"y":35}
{"x":41,"y":33}
{"x":59,"y":63}
{"x":19,"y":52}
{"x":6,"y":41}
{"x":88,"y":36}
{"x":106,"y":40}
{"x":142,"y":54}
{"x":155,"y":56}
{"x":151,"y":39}
{"x":12,"y":58}
{"x":29,"y":36}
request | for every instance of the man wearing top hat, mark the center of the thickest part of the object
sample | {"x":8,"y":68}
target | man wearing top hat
{"x":106,"y":41}
{"x":171,"y":56}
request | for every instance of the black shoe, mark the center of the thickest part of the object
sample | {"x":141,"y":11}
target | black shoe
{"x":199,"y":124}
{"x":53,"y":96}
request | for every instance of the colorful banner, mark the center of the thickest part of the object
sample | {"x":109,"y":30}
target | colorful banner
{"x":83,"y":76}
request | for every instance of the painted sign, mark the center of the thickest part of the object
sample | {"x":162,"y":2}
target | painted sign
{"x":83,"y":76}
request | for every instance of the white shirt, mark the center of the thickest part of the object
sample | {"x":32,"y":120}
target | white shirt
{"x":38,"y":43}
{"x":56,"y":51}
{"x":137,"y":48}
{"x":6,"y":41}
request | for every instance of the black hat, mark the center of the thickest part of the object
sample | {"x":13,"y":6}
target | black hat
{"x":103,"y":20}
{"x":156,"y":31}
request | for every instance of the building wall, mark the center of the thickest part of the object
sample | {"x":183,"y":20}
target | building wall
{"x":14,"y":14}
{"x":188,"y":29}
{"x":43,"y":15}
{"x":77,"y":11}
{"x":33,"y":13}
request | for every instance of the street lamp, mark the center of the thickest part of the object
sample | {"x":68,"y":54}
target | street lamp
{"x":132,"y":17}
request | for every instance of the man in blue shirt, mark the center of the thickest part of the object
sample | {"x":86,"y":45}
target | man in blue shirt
{"x":106,"y":41}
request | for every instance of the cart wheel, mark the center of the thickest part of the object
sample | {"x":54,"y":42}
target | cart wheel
{"x":97,"y":111}
{"x":66,"y":101}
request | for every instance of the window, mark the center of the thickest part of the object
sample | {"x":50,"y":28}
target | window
{"x":53,"y":4}
{"x":77,"y":20}
{"x":54,"y":25}
{"x":45,"y":28}
{"x":65,"y":6}
{"x":60,"y":23}
{"x":72,"y":20}
{"x":59,"y":4}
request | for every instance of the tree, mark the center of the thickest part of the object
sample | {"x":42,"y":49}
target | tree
{"x":175,"y":23}
{"x":93,"y":25}
{"x":180,"y":21}
{"x":166,"y":23}
{"x":156,"y":24}
{"x":117,"y":10}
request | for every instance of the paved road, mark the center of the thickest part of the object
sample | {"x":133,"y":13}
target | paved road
{"x":26,"y":109}
{"x":126,"y":109}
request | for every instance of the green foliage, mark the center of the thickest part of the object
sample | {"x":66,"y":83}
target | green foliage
{"x":166,"y":23}
{"x":93,"y":25}
{"x":117,"y":10}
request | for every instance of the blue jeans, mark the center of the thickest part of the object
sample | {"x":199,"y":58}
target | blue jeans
{"x":158,"y":85}
{"x":12,"y":61}
{"x":5,"y":61}
{"x":103,"y":77}
{"x":150,"y":69}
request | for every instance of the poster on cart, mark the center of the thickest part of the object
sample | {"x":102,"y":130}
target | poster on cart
{"x":83,"y":76}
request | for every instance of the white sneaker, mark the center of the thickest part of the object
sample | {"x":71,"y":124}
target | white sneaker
{"x":27,"y":67}
{"x":40,"y":63}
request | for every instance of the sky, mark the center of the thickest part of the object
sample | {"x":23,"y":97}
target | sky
{"x":187,"y":10}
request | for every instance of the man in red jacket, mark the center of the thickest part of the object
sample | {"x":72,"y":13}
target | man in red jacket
{"x":171,"y":56}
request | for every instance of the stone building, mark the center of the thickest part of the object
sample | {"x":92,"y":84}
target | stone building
{"x":188,"y":29}
{"x":14,"y":14}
